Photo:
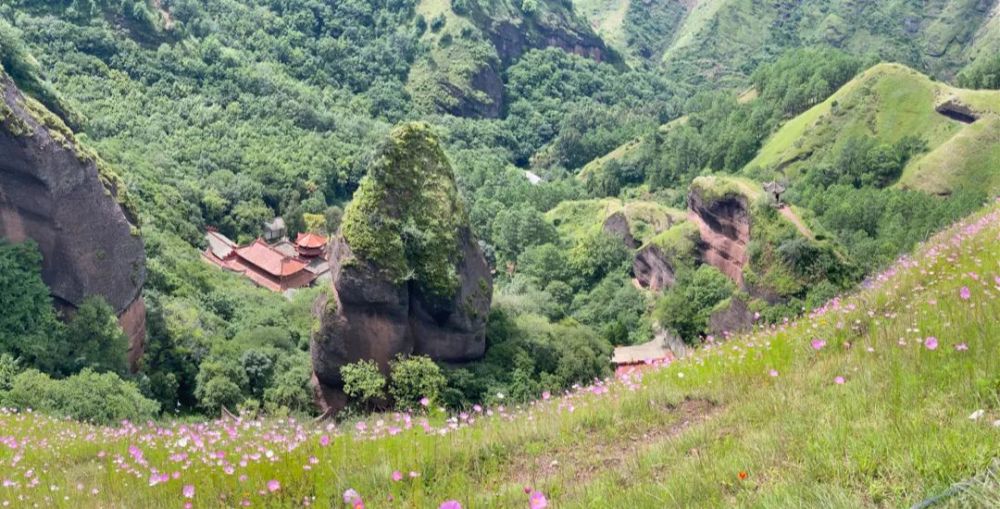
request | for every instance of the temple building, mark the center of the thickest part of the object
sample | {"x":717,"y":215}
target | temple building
{"x":278,"y":267}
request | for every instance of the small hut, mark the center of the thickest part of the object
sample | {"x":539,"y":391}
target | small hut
{"x":275,"y":230}
{"x":630,"y":358}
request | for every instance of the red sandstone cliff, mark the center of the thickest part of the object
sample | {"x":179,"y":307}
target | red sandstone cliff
{"x":59,"y":194}
{"x":724,"y":227}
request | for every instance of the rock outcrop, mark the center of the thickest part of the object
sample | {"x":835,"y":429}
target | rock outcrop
{"x":653,"y":269}
{"x":463,"y":75}
{"x":731,"y":317}
{"x":617,"y":226}
{"x":723,"y":221}
{"x":58,"y":193}
{"x":408,"y":276}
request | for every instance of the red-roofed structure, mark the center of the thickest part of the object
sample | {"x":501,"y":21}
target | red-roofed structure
{"x":310,"y":245}
{"x":260,"y":262}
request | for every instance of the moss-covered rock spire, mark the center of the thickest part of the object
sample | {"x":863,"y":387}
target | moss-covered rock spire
{"x":405,"y":215}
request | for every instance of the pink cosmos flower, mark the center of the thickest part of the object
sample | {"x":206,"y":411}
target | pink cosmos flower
{"x":324,"y":440}
{"x":773,"y":372}
{"x":546,"y":395}
{"x":961,"y":347}
{"x":351,"y":495}
{"x":538,"y":501}
{"x":450,"y":504}
{"x":965,"y":293}
{"x":188,"y":491}
{"x":818,"y":344}
{"x":839,"y":380}
{"x":397,"y":476}
{"x":424,"y":402}
{"x":273,"y":485}
{"x":931,"y":343}
{"x":414,"y":475}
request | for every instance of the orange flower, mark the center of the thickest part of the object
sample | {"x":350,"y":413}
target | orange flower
{"x":743,"y":475}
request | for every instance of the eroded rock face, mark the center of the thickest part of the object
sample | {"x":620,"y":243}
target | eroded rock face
{"x":724,"y":227}
{"x":733,"y":318}
{"x":512,"y":34}
{"x":54,"y":191}
{"x":653,"y":269}
{"x":408,"y":276}
{"x":617,"y":226}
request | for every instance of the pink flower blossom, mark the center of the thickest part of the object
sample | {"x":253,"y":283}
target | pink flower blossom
{"x":965,"y":293}
{"x":546,"y":395}
{"x":961,"y":347}
{"x":538,"y":501}
{"x":397,"y":476}
{"x":324,"y":440}
{"x":188,"y":491}
{"x":273,"y":486}
{"x":351,"y":496}
{"x":931,"y":343}
{"x":450,"y":504}
{"x":773,"y":372}
{"x":424,"y":402}
{"x":818,"y":344}
{"x":839,"y":380}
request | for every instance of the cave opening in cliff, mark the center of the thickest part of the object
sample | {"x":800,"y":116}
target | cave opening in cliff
{"x":958,"y":113}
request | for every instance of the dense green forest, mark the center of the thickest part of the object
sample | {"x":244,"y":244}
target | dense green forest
{"x":227,"y":113}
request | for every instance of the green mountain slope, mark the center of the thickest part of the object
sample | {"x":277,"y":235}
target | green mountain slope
{"x":887,"y":103}
{"x":469,"y":44}
{"x":709,"y":40}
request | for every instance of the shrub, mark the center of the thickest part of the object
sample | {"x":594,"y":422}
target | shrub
{"x":9,"y":369}
{"x":414,"y":378}
{"x":363,"y":382}
{"x":102,"y":398}
{"x":686,"y":308}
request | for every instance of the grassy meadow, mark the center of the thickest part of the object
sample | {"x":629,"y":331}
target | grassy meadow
{"x":882,"y":398}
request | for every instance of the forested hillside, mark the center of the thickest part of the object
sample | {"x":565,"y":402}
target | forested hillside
{"x":609,"y":158}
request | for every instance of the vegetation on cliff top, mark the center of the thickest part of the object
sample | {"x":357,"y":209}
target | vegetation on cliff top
{"x":406,"y":217}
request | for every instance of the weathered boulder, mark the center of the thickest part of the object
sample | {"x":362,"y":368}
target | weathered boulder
{"x":58,"y":193}
{"x":723,"y":220}
{"x":617,"y":226}
{"x":408,"y":276}
{"x":732,"y":316}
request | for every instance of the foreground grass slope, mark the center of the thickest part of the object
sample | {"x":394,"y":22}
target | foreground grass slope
{"x":864,"y":403}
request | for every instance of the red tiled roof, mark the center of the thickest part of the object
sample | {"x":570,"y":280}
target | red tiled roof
{"x":270,"y":260}
{"x":310,"y":240}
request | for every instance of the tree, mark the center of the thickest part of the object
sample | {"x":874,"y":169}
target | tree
{"x":517,"y":229}
{"x":984,"y":72}
{"x":28,"y":326}
{"x":95,"y":338}
{"x":220,"y":383}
